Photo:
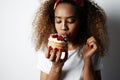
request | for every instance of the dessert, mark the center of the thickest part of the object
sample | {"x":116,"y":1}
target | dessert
{"x":56,"y":41}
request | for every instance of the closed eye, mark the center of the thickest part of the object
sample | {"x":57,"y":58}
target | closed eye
{"x":71,"y":20}
{"x":57,"y":20}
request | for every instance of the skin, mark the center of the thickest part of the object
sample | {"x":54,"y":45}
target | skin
{"x":66,"y":22}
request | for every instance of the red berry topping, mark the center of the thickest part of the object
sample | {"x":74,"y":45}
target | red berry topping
{"x":54,"y":35}
{"x":60,"y":38}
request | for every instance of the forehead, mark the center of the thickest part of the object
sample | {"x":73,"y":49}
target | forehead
{"x":65,"y":9}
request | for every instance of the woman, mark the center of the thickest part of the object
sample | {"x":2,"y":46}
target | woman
{"x":84,"y":23}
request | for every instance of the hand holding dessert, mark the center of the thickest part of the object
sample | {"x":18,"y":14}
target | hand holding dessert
{"x":57,"y":45}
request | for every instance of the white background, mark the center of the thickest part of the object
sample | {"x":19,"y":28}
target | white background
{"x":17,"y":56}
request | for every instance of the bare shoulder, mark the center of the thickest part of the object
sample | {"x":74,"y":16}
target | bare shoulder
{"x":43,"y":75}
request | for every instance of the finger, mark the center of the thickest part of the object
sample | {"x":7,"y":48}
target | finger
{"x":91,"y":39}
{"x":58,"y":56}
{"x":89,"y":43}
{"x":93,"y":45}
{"x":47,"y":55}
{"x":93,"y":48}
{"x":53,"y":54}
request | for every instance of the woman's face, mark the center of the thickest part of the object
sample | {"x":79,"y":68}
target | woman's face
{"x":66,"y":20}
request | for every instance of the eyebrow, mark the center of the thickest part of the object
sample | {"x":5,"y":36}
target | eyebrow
{"x":66,"y":17}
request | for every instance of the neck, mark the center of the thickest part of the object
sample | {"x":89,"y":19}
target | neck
{"x":72,"y":46}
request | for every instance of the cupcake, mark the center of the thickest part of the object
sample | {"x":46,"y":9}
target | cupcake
{"x":59,"y":42}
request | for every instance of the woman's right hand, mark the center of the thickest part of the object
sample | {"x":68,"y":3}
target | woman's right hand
{"x":55,"y":56}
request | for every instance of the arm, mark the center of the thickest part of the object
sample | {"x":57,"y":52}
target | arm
{"x":43,"y":76}
{"x":57,"y":65}
{"x":89,"y":73}
{"x":89,"y":50}
{"x":51,"y":76}
{"x":54,"y":74}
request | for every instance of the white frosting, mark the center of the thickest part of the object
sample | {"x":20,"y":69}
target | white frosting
{"x":55,"y":40}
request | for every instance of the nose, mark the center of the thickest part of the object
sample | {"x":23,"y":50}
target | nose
{"x":64,"y":26}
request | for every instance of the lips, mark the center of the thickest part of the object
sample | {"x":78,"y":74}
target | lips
{"x":65,"y":35}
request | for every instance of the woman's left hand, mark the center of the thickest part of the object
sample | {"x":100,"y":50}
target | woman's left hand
{"x":89,"y":48}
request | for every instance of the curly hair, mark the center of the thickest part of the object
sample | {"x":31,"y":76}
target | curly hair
{"x":94,"y":19}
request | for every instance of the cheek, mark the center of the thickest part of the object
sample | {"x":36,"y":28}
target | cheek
{"x":75,"y":32}
{"x":57,"y":28}
{"x":74,"y":28}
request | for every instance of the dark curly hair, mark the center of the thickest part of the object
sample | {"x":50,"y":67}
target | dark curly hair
{"x":92,"y":22}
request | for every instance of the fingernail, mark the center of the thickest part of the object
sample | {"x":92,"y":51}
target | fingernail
{"x":50,"y":47}
{"x":55,"y":49}
{"x":61,"y":50}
